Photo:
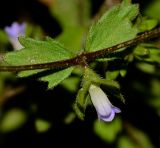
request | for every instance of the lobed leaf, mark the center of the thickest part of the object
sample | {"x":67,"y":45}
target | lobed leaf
{"x":114,"y":27}
{"x":34,"y":52}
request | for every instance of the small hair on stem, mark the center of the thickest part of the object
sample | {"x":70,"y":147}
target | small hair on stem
{"x":88,"y":57}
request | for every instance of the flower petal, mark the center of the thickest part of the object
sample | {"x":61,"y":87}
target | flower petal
{"x":109,"y":117}
{"x":16,"y":29}
{"x":116,"y":109}
{"x":105,"y":110}
{"x":13,"y":32}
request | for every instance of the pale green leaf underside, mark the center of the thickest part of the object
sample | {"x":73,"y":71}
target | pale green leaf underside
{"x":40,"y":52}
{"x":55,"y":78}
{"x":114,"y":27}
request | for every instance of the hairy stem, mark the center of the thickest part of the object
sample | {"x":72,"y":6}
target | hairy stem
{"x":84,"y":58}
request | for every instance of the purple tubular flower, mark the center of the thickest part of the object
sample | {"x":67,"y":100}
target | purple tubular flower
{"x":13,"y":32}
{"x":105,"y":110}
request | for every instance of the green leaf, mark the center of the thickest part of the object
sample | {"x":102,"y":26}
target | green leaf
{"x":13,"y":120}
{"x":93,"y":77}
{"x":109,"y":83}
{"x":37,"y":52}
{"x":42,"y":125}
{"x":71,"y":84}
{"x":126,"y":142}
{"x":154,"y":99}
{"x":108,"y":131}
{"x":147,"y":24}
{"x":154,"y":55}
{"x":155,"y":103}
{"x":153,"y":9}
{"x":145,"y":67}
{"x":73,"y":16}
{"x":69,"y":118}
{"x":40,"y":52}
{"x":123,"y":72}
{"x":75,"y":12}
{"x":114,"y":27}
{"x":55,"y":78}
{"x":155,"y":85}
{"x":73,"y":38}
{"x":112,"y":75}
{"x":34,"y":31}
{"x":3,"y":41}
{"x":147,"y":53}
{"x":3,"y":37}
{"x":141,"y":51}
